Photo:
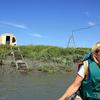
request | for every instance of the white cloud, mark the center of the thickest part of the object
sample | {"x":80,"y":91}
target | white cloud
{"x":91,"y":23}
{"x":21,"y":26}
{"x":86,"y":14}
{"x":37,"y":35}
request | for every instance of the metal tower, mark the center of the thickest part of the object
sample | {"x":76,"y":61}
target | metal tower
{"x":71,"y":41}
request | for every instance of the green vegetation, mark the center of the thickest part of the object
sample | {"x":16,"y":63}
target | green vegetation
{"x":48,"y":58}
{"x":4,"y":51}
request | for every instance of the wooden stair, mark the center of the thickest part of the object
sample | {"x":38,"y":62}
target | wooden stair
{"x":18,"y":59}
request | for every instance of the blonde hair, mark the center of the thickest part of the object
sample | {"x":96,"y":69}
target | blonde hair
{"x":95,"y":50}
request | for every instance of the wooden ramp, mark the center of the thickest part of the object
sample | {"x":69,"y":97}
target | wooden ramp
{"x":18,"y":59}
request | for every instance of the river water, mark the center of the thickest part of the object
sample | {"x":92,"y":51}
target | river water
{"x":34,"y":85}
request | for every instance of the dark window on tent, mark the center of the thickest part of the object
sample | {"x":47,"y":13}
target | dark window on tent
{"x":7,"y":39}
{"x":13,"y":40}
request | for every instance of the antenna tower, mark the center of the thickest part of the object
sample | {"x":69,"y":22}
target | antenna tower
{"x":71,"y":41}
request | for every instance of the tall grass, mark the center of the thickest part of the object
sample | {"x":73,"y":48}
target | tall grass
{"x":50,"y":58}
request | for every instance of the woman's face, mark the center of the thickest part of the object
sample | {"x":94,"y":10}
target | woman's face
{"x":98,"y":56}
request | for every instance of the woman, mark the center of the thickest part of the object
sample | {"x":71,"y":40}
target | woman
{"x":88,"y":78}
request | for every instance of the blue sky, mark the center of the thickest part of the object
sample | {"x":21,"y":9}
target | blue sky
{"x":50,"y":22}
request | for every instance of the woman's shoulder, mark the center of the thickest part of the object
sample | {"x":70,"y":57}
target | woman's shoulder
{"x":83,"y":70}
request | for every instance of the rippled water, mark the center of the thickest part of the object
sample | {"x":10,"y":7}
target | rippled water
{"x":33,"y":86}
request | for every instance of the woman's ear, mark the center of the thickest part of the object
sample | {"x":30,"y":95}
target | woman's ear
{"x":95,"y":55}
